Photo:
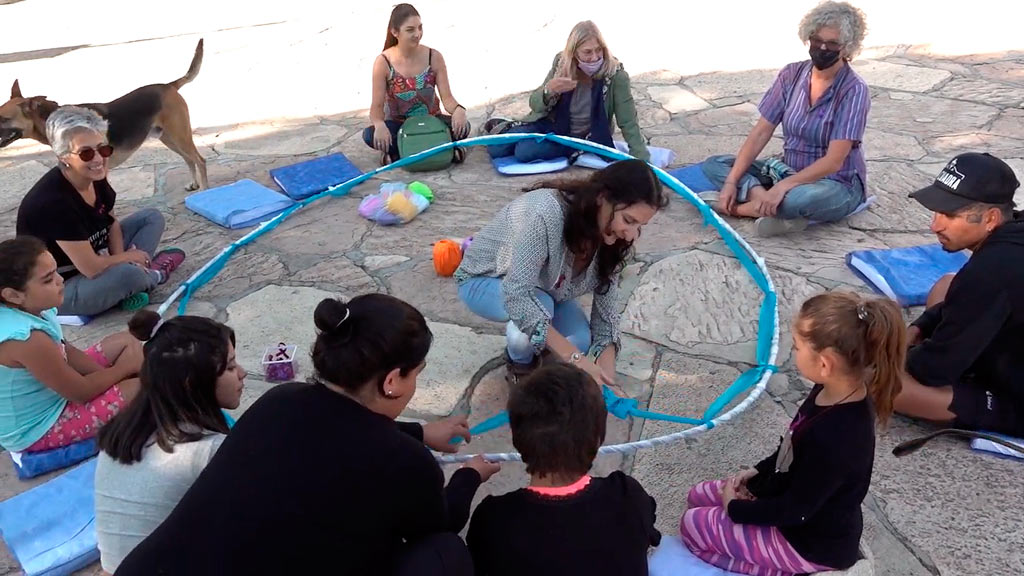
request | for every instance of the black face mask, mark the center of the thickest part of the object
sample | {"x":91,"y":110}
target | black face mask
{"x":823,"y":59}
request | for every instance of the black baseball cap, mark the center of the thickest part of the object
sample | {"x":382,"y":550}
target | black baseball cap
{"x":967,"y":179}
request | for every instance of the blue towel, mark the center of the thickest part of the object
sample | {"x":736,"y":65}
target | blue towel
{"x":32,"y":464}
{"x":51,"y":529}
{"x":302,"y":180}
{"x":905,"y":274}
{"x":244,"y":203}
{"x":509,"y":166}
{"x":693,"y":178}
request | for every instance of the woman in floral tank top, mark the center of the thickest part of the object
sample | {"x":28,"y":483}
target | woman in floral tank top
{"x":407,"y":79}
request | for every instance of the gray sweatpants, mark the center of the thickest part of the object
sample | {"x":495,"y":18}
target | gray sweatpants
{"x":91,"y":296}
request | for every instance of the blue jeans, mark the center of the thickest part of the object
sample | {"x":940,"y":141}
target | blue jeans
{"x":483,"y":296}
{"x":822,"y":201}
{"x":530,"y":150}
{"x":91,"y":296}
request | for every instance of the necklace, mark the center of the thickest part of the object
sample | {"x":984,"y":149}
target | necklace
{"x":785,"y":457}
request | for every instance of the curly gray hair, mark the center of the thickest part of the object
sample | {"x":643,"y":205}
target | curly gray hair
{"x":848,"y":19}
{"x":66,"y":121}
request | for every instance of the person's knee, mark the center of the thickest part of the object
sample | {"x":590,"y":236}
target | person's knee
{"x":580,"y":338}
{"x":694,"y":497}
{"x":368,"y":136}
{"x":152,"y":218}
{"x":938,"y":292}
{"x":687,"y":529}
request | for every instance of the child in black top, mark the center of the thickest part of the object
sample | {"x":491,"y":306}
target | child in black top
{"x":798,"y":510}
{"x":565,"y":522}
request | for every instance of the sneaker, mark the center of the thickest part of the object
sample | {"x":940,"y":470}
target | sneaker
{"x":768,"y":226}
{"x":516,"y":372}
{"x":458,"y":155}
{"x":167,"y":261}
{"x":135,"y":302}
{"x":496,"y":125}
{"x":709,"y":197}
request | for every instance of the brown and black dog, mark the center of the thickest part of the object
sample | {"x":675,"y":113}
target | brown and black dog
{"x":157,"y":109}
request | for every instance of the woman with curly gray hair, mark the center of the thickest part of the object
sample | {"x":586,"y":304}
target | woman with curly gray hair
{"x":104,"y":260}
{"x":823,"y":106}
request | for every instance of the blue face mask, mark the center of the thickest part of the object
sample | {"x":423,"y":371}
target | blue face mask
{"x":591,"y":68}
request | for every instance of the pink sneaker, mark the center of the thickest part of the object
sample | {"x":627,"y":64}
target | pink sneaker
{"x":167,"y":261}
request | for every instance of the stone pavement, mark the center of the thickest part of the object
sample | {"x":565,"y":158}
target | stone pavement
{"x":689,"y":309}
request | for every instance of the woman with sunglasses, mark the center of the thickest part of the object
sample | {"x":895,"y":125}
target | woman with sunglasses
{"x":105,"y":260}
{"x":823,"y":106}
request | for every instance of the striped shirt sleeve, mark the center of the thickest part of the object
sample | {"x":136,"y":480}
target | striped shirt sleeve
{"x":518,"y":286}
{"x":851,"y":116}
{"x":773,"y":103}
{"x":604,"y":319}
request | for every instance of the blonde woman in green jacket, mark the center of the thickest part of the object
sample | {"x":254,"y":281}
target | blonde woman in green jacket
{"x":584,"y":90}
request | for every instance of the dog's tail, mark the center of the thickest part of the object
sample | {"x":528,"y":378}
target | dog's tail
{"x":193,"y":69}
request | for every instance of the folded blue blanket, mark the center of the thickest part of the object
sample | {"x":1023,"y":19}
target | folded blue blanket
{"x":905,"y":274}
{"x":509,"y":166}
{"x":693,"y":178}
{"x":32,"y":464}
{"x":304,"y":179}
{"x":50,"y":529}
{"x":244,"y":203}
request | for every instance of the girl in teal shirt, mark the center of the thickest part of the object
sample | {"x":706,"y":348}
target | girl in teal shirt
{"x":51,"y":393}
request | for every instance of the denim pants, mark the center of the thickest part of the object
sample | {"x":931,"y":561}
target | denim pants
{"x":822,"y":201}
{"x":395,"y":125}
{"x":91,"y":296}
{"x":483,"y":296}
{"x":531,"y":150}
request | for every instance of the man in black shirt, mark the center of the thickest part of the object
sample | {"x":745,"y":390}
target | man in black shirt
{"x":965,"y":365}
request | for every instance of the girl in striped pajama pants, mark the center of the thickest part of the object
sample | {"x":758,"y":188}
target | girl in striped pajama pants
{"x":798,"y":510}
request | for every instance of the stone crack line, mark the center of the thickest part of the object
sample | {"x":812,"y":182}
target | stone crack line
{"x":876,"y":505}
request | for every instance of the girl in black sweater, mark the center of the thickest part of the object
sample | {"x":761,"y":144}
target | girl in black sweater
{"x":798,"y":510}
{"x":319,"y":478}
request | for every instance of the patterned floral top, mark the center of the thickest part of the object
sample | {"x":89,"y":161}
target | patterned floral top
{"x":411,"y":95}
{"x":524,"y":245}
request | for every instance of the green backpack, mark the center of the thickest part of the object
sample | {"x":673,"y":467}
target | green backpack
{"x":420,"y":133}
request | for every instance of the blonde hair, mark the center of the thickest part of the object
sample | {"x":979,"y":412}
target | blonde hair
{"x":567,"y":64}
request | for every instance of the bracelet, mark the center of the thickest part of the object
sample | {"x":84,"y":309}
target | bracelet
{"x":457,"y":106}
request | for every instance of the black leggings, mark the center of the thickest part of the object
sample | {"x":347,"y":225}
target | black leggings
{"x":443,"y":554}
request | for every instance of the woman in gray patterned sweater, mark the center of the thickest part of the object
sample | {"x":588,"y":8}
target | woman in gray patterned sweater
{"x":562,"y":239}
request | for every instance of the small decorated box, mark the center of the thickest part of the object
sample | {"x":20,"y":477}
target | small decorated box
{"x":279,"y":363}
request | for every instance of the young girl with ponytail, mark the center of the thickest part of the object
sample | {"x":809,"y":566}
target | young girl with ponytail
{"x":798,"y":510}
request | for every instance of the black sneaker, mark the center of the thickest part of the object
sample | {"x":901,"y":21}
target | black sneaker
{"x":496,"y":125}
{"x":516,"y":372}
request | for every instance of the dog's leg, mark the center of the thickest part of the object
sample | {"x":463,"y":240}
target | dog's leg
{"x":177,"y":135}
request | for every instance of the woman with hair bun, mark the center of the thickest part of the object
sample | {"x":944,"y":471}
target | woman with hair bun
{"x":319,"y":474}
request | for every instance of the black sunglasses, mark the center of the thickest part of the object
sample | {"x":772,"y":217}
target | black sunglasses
{"x":87,"y":154}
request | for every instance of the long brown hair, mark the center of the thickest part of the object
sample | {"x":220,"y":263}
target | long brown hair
{"x":399,"y":15}
{"x":867,"y":333}
{"x":623,"y":184}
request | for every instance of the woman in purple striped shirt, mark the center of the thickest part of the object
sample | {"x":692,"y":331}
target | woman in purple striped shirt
{"x":823,"y":106}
